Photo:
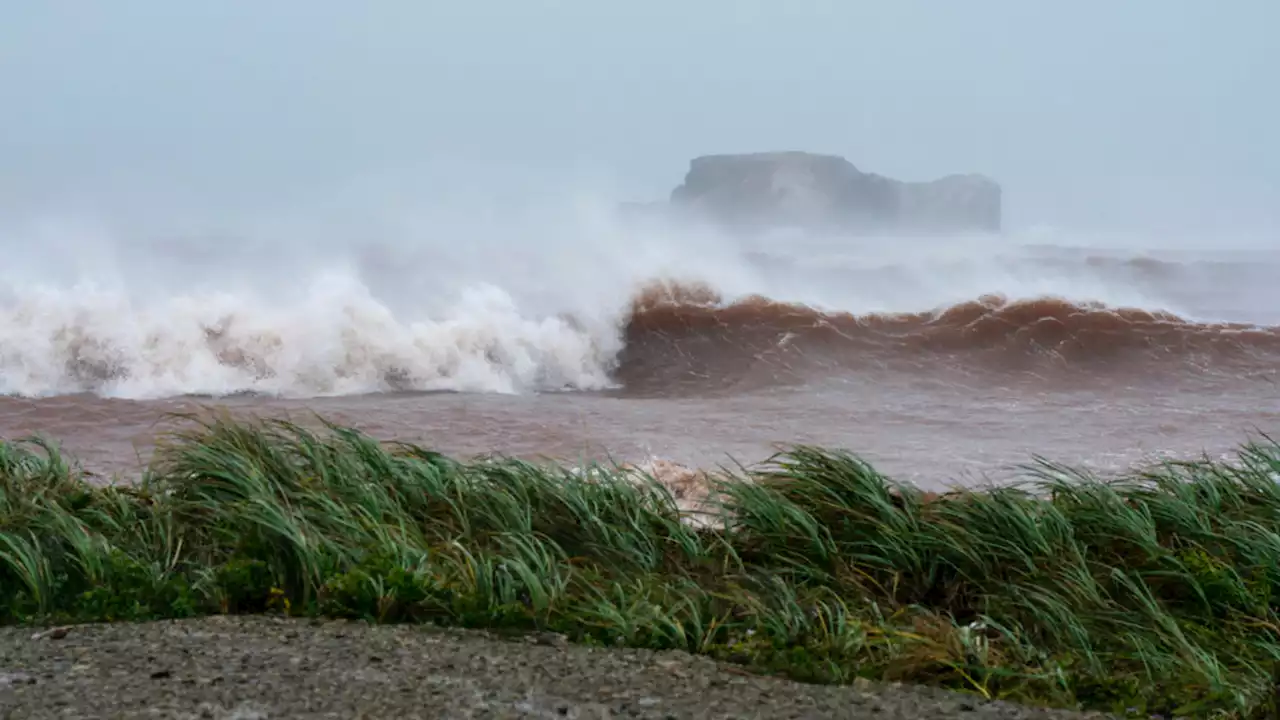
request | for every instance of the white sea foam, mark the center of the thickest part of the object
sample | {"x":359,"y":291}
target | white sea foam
{"x":299,"y":308}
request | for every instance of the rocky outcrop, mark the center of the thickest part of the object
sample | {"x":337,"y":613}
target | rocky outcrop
{"x":826,"y":192}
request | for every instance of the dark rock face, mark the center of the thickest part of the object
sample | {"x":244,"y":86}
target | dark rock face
{"x":826,"y":192}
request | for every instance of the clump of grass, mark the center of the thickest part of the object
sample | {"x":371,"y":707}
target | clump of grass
{"x":1155,"y":593}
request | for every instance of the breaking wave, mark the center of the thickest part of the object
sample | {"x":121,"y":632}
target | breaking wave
{"x":671,"y":337}
{"x":563,"y":304}
{"x":681,"y":334}
{"x":338,"y":340}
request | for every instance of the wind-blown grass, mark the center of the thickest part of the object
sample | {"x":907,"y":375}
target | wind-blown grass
{"x":1155,"y":593}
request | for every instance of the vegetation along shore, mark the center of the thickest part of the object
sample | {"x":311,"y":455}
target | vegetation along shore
{"x":1156,"y":593}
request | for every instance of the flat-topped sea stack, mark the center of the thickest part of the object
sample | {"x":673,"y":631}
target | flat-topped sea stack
{"x":827,"y":193}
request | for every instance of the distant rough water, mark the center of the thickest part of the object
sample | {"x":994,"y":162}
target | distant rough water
{"x":827,"y":193}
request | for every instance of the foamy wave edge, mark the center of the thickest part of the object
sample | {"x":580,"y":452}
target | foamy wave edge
{"x":340,"y":342}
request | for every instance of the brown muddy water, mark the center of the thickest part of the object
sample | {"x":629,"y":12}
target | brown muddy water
{"x":930,"y":427}
{"x":1099,"y":357}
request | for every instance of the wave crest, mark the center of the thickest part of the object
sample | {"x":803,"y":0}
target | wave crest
{"x":337,"y":341}
{"x":686,"y":334}
{"x":673,"y":337}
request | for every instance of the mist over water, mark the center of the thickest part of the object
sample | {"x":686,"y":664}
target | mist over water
{"x":485,"y":297}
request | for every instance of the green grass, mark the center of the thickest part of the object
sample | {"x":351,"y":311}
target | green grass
{"x":1158,"y":593}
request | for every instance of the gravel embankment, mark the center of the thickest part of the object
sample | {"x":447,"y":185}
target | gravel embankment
{"x":258,"y":667}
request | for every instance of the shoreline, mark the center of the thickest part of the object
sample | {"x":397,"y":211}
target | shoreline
{"x":1147,"y":596}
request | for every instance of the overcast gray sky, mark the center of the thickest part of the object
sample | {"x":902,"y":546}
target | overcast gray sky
{"x":1086,"y":111}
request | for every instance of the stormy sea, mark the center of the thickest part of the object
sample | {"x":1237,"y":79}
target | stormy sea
{"x":570,"y":331}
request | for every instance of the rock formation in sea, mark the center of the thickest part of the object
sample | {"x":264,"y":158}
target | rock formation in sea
{"x":827,"y":193}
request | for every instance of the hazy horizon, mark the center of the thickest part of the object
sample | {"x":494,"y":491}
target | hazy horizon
{"x":1146,"y":115}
